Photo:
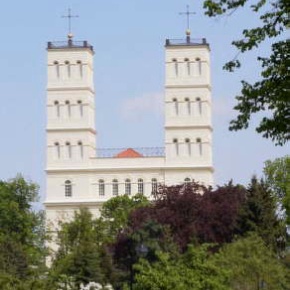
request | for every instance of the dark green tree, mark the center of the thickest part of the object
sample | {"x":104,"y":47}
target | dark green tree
{"x":259,"y":214}
{"x":22,"y":251}
{"x":270,"y":95}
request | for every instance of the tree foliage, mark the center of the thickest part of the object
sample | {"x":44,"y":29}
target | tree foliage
{"x":22,"y":235}
{"x":271,"y":94}
{"x":252,"y":265}
{"x":277,"y":176}
{"x":77,"y":260}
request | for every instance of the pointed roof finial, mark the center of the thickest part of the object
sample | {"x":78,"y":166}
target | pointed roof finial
{"x":188,"y":14}
{"x":69,"y":16}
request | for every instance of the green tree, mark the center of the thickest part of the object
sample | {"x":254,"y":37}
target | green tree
{"x":77,"y":260}
{"x":195,"y":269}
{"x":115,"y":213}
{"x":277,"y":176}
{"x":259,"y":214}
{"x":22,"y":251}
{"x":271,"y":94}
{"x":252,"y":265}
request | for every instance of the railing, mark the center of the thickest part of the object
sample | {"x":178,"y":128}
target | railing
{"x":141,"y":152}
{"x":68,"y":44}
{"x":186,"y":41}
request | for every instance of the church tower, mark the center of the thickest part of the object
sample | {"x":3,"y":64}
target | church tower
{"x":188,"y":128}
{"x":71,"y":135}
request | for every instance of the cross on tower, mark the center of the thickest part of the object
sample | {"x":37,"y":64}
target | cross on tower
{"x":187,"y":13}
{"x":69,"y":16}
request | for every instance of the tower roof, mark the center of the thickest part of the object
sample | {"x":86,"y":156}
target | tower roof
{"x":69,"y":44}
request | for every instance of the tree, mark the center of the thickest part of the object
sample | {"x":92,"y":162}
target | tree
{"x":192,"y":270}
{"x":77,"y":260}
{"x":259,"y":214}
{"x":277,"y":176}
{"x":22,"y":251}
{"x":270,"y":94}
{"x":115,"y":213}
{"x":193,"y":212}
{"x":252,"y":265}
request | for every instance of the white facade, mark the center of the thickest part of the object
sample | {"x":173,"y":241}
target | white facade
{"x":78,"y":175}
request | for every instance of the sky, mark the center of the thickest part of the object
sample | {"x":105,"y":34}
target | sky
{"x":128,"y":38}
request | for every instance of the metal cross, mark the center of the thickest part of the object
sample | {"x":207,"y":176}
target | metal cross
{"x":69,"y":16}
{"x":187,"y":13}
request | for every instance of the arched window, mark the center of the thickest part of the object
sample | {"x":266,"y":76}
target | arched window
{"x":57,"y":150}
{"x":187,"y":65}
{"x":188,"y":146}
{"x":68,"y":108}
{"x":68,"y":68}
{"x":175,"y":104}
{"x":80,"y":65}
{"x":101,"y":187}
{"x":68,"y":188}
{"x":154,"y":186}
{"x":174,"y":60}
{"x":56,"y":64}
{"x":57,"y":108}
{"x":199,"y":144}
{"x":140,"y":186}
{"x":128,"y":186}
{"x":80,"y":105}
{"x":199,"y":105}
{"x":188,"y":106}
{"x":198,"y":62}
{"x":81,"y":149}
{"x":176,"y":145}
{"x":68,"y":149}
{"x":115,"y":187}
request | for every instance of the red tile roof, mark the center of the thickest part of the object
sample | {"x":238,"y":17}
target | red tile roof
{"x":129,"y":153}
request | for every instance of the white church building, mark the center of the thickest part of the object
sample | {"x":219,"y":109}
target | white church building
{"x":78,"y":173}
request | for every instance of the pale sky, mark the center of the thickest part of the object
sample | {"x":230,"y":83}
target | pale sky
{"x":128,"y":38}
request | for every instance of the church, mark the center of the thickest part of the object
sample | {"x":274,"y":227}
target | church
{"x":78,"y":173}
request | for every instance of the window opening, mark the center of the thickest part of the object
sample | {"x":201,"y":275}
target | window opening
{"x":188,"y":106}
{"x":68,"y":106}
{"x":68,"y":149}
{"x":199,"y":143}
{"x":187,"y":65}
{"x":128,"y":186}
{"x":57,"y":108}
{"x":115,"y":187}
{"x":81,"y":149}
{"x":101,"y":187}
{"x":67,"y":63}
{"x":154,"y":186}
{"x":80,"y":105}
{"x":175,"y":66}
{"x":188,"y":145}
{"x":198,"y":65}
{"x":57,"y":150}
{"x":68,"y":188}
{"x":175,"y":141}
{"x":199,"y":105}
{"x":187,"y":181}
{"x":80,"y":68}
{"x":140,"y":186}
{"x":176,"y":109}
{"x":56,"y":63}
